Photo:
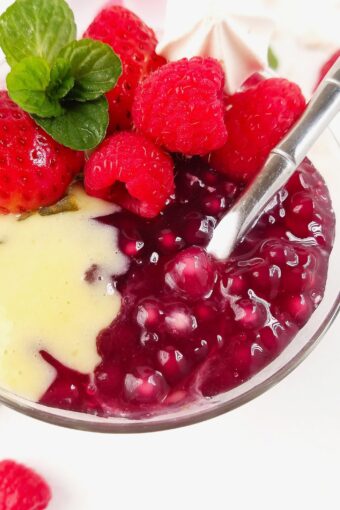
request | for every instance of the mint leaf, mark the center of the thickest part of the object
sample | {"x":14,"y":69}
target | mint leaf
{"x":82,"y":127}
{"x":27,"y":84}
{"x":39,"y":28}
{"x":61,"y":81}
{"x":94,"y":66}
{"x":273,"y":61}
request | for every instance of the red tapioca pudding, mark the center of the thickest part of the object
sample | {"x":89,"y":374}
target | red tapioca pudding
{"x":190,"y":327}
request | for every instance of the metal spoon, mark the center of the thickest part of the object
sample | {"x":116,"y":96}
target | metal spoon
{"x":280,"y":165}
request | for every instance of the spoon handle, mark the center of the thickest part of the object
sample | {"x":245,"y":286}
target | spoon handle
{"x":280,"y":165}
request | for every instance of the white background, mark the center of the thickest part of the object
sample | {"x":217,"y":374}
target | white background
{"x":281,"y":451}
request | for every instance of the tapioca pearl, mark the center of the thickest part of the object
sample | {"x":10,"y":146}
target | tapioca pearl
{"x":169,"y":242}
{"x":267,"y":339}
{"x":206,"y":341}
{"x":173,"y":364}
{"x":145,"y":385}
{"x":241,"y":355}
{"x":304,"y":178}
{"x":249,"y":314}
{"x":282,"y":323}
{"x":230,"y":190}
{"x":109,"y":377}
{"x":317,"y":231}
{"x":210,"y":177}
{"x":197,"y":228}
{"x":149,"y":340}
{"x":265,"y":280}
{"x":131,"y":248}
{"x":149,"y":314}
{"x":199,"y":349}
{"x":306,"y":257}
{"x":280,"y":253}
{"x":120,"y":338}
{"x":276,"y":232}
{"x":233,"y":285}
{"x":205,"y":312}
{"x":295,"y":280}
{"x":227,"y":325}
{"x":316,"y":296}
{"x":216,"y":377}
{"x":295,"y":183}
{"x":179,"y":321}
{"x":191,"y":273}
{"x":214,"y":204}
{"x":298,"y":306}
{"x":299,"y":214}
{"x":176,"y":397}
{"x":301,"y":206}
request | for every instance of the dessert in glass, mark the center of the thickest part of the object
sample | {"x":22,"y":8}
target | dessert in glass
{"x":113,"y":317}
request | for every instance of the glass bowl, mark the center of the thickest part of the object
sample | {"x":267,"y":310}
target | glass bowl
{"x":326,"y":157}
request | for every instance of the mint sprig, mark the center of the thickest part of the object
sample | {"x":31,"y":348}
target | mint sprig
{"x":273,"y":61}
{"x":82,"y":126}
{"x":94,"y":67}
{"x":28,"y":84}
{"x":60,"y":81}
{"x":39,"y":28}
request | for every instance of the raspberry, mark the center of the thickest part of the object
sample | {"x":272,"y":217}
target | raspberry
{"x":21,"y":488}
{"x":256,"y":119}
{"x":135,"y":43}
{"x":327,"y":65}
{"x":253,"y":80}
{"x":35,"y":170}
{"x":180,"y":106}
{"x":130,"y":170}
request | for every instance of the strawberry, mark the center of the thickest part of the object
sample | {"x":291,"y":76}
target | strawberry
{"x":21,"y":488}
{"x":35,"y":170}
{"x":135,"y":43}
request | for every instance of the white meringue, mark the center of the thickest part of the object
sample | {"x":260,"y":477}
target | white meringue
{"x":230,"y":32}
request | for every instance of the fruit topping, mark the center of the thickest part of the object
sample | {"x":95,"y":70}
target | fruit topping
{"x":21,"y":488}
{"x":180,"y":106}
{"x":130,"y":170}
{"x":256,"y":119}
{"x":58,"y":80}
{"x":35,"y":171}
{"x":135,"y":43}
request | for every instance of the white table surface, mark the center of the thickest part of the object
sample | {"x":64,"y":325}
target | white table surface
{"x":281,"y":451}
